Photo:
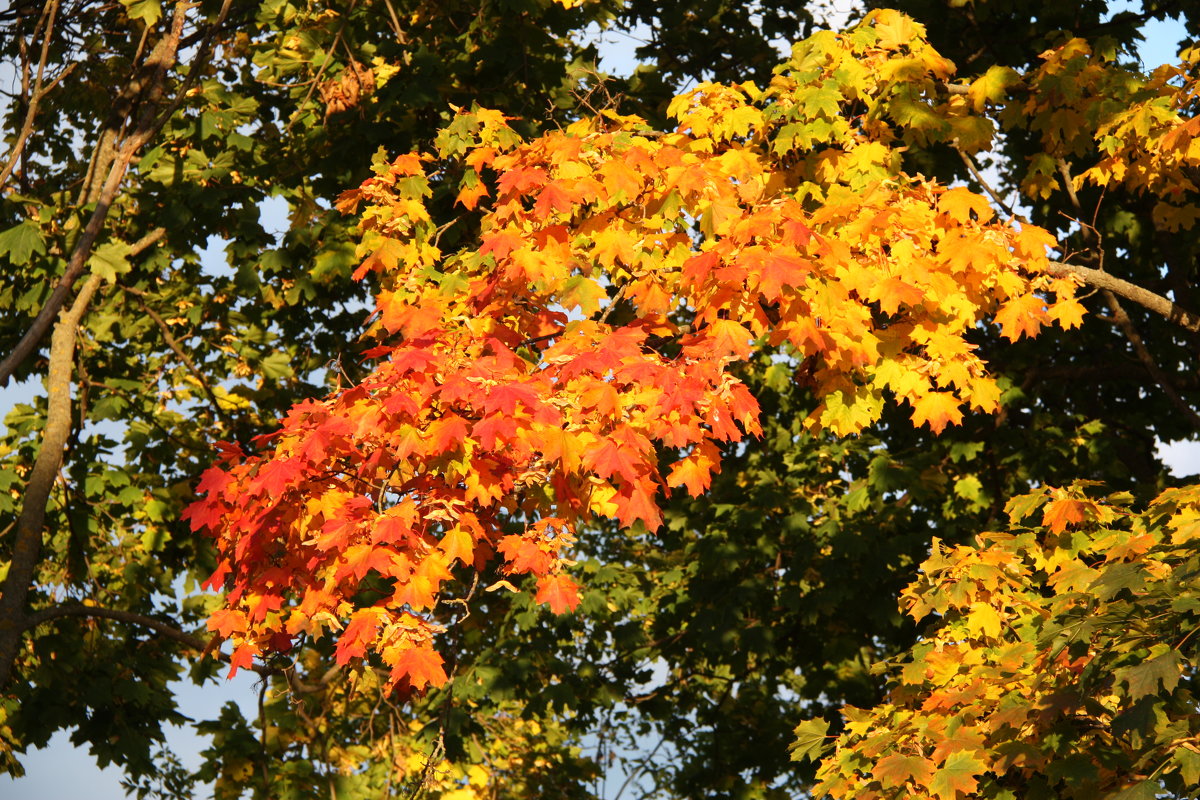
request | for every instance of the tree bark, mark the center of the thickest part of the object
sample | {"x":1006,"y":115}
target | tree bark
{"x":27,"y":547}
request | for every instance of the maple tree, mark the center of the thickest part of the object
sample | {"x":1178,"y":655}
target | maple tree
{"x":573,"y":360}
{"x":494,"y":405}
{"x":648,"y":346}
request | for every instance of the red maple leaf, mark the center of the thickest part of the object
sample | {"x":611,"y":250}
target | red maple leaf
{"x":242,"y":658}
{"x":559,"y":591}
{"x":610,"y":458}
{"x":524,"y":555}
{"x":361,"y":631}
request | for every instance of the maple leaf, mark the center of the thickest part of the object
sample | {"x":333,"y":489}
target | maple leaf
{"x":895,"y":770}
{"x":695,"y":471}
{"x":959,"y":203}
{"x":1064,"y":511}
{"x":564,"y":446}
{"x":353,"y":643}
{"x":506,"y":397}
{"x":524,"y":555}
{"x":957,"y":777}
{"x":362,"y":558}
{"x":242,"y":658}
{"x":420,"y":666}
{"x":472,"y":190}
{"x":559,"y":591}
{"x":216,"y":581}
{"x":226,"y":622}
{"x":727,"y":337}
{"x":892,"y":293}
{"x":1067,"y":312}
{"x":552,"y":198}
{"x":937,"y":409}
{"x":447,"y":433}
{"x":494,"y":430}
{"x":416,"y":591}
{"x":779,"y":270}
{"x":1022,"y":315}
{"x":636,"y":501}
{"x":395,"y":528}
{"x":521,"y":180}
{"x":213,"y":481}
{"x":609,"y":457}
{"x":458,"y":544}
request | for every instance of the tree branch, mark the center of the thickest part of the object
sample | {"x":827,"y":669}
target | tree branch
{"x":131,"y":617}
{"x":35,"y":97}
{"x":1110,"y":287}
{"x":32,"y":518}
{"x":1139,"y":347}
{"x":157,"y":64}
{"x":1185,"y":319}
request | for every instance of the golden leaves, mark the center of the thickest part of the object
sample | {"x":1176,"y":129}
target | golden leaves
{"x":540,"y":371}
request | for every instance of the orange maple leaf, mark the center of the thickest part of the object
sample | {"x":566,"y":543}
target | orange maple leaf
{"x":894,"y":770}
{"x":1022,"y":315}
{"x":891,"y":293}
{"x":226,"y":621}
{"x":421,"y":666}
{"x":1058,"y":514}
{"x":695,"y":471}
{"x":458,"y":543}
{"x":937,"y":409}
{"x":363,"y":627}
{"x":559,"y":591}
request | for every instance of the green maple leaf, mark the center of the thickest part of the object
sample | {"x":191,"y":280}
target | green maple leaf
{"x":811,"y":738}
{"x":1146,"y":677}
{"x":20,"y":242}
{"x":956,"y":775}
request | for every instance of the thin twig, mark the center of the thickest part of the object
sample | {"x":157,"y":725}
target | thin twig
{"x":987,"y":187}
{"x":262,"y":724}
{"x":396,"y":26}
{"x":617,"y":298}
{"x":183,"y":356}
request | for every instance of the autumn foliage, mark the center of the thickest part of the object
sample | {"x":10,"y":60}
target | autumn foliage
{"x":1031,"y":672}
{"x":573,"y":360}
